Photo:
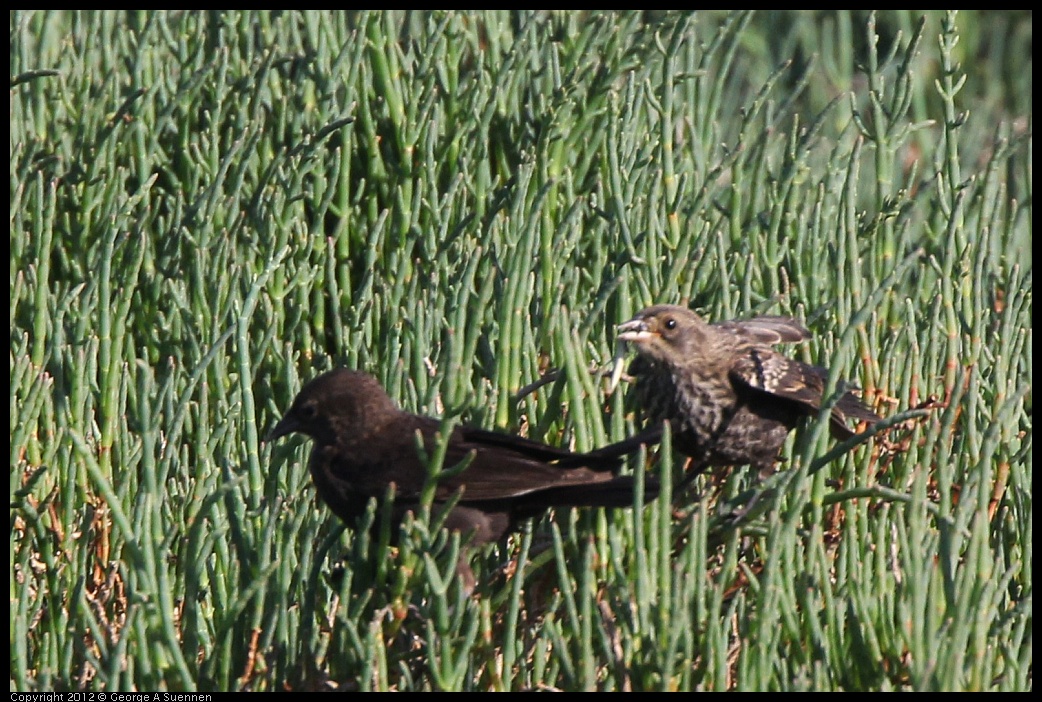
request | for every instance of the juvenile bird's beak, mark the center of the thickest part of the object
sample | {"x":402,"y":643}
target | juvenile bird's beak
{"x":635,"y":330}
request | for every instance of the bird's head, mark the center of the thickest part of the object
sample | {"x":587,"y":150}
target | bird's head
{"x":338,"y":405}
{"x":666,"y":333}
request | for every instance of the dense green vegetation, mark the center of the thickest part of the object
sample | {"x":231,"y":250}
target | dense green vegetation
{"x":208,"y":209}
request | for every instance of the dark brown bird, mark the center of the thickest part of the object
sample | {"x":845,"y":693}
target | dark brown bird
{"x":730,"y":397}
{"x":363,"y":443}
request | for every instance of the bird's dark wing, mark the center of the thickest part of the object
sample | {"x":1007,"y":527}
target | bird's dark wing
{"x":768,"y":371}
{"x":503,"y":469}
{"x":849,"y":407}
{"x":483,"y":438}
{"x":648,"y":436}
{"x":765,"y":370}
{"x":618,"y":492}
{"x":604,"y":458}
{"x":767,"y":330}
{"x":502,"y":466}
{"x":852,"y":408}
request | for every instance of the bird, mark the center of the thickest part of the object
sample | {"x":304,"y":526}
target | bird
{"x":730,"y":399}
{"x":363,"y":442}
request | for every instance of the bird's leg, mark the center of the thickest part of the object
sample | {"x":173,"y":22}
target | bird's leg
{"x":465,"y":573}
{"x":692,"y":470}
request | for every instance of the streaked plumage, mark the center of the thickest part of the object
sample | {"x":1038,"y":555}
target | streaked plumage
{"x":730,"y":397}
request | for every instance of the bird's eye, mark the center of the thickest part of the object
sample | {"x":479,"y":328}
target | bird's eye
{"x":308,"y":411}
{"x":671,"y":323}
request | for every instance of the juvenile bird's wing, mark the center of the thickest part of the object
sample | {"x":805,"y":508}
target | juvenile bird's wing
{"x":767,"y":330}
{"x":770,"y":372}
{"x":763,"y":369}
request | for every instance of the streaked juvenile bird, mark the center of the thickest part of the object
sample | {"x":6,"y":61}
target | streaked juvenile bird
{"x":363,"y":442}
{"x":730,"y":398}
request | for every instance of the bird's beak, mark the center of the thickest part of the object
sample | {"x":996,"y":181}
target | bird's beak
{"x":287,"y":425}
{"x":635,"y":330}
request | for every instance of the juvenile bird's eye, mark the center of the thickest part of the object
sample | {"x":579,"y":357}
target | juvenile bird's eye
{"x":671,"y":323}
{"x":308,"y":411}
